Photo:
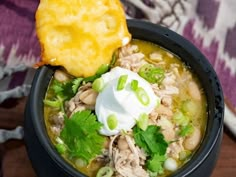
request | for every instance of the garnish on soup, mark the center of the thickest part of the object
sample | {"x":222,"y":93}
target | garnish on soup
{"x":80,"y":35}
{"x":137,"y":116}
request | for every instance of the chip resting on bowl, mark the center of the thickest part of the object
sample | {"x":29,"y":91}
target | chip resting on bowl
{"x":80,"y":35}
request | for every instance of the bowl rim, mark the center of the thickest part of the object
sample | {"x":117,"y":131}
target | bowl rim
{"x":209,"y":139}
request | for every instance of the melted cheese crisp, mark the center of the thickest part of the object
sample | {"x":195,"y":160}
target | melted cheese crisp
{"x":123,"y":104}
{"x":80,"y":35}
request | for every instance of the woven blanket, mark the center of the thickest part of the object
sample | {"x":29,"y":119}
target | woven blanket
{"x":209,"y":24}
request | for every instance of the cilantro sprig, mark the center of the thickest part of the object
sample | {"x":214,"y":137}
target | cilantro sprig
{"x":153,"y":143}
{"x":151,"y":140}
{"x":155,"y":163}
{"x":81,"y":137}
{"x":63,"y":91}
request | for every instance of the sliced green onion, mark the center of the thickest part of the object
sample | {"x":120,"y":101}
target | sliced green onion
{"x":142,"y":122}
{"x":112,"y":121}
{"x":61,"y":148}
{"x":186,"y":130}
{"x":98,"y":85}
{"x":121,"y":82}
{"x":180,"y":119}
{"x":151,"y":73}
{"x":142,"y":96}
{"x":54,"y":104}
{"x":183,"y":155}
{"x":134,"y":85}
{"x":190,"y":107}
{"x":61,"y":100}
{"x":158,"y":102}
{"x":105,"y":172}
{"x":113,"y":60}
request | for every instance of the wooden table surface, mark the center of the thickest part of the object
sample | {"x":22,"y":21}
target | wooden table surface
{"x":15,"y":162}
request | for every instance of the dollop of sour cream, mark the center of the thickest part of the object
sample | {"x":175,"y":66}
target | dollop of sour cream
{"x":122,"y":104}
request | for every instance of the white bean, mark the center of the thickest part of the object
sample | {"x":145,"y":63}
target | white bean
{"x":194,"y":91}
{"x":80,"y":163}
{"x":89,"y":97}
{"x":122,"y":143}
{"x":170,"y":164}
{"x":192,"y":141}
{"x":61,"y":76}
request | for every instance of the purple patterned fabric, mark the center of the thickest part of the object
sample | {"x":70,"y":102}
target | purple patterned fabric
{"x":228,"y":80}
{"x":17,"y":26}
{"x":18,"y":37}
{"x":209,"y":24}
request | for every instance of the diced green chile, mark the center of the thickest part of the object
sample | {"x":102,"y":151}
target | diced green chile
{"x":105,"y":172}
{"x":151,"y":73}
{"x":121,"y":82}
{"x":142,"y":96}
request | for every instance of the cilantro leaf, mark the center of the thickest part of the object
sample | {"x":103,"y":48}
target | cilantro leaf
{"x":101,"y":70}
{"x":155,"y":164}
{"x":80,"y":134}
{"x":63,"y":89}
{"x":76,"y":83}
{"x":151,"y":140}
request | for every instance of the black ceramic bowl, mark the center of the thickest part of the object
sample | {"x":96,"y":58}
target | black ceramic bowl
{"x":48,"y":163}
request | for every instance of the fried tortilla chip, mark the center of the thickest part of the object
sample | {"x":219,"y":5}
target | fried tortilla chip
{"x":80,"y":35}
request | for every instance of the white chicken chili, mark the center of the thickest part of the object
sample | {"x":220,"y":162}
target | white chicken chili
{"x":143,"y":115}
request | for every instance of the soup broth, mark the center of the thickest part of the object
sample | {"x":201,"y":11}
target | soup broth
{"x":178,"y":118}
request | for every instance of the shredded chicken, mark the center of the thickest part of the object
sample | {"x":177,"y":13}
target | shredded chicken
{"x":163,"y":110}
{"x":127,"y":162}
{"x":127,"y":50}
{"x":80,"y":101}
{"x":194,"y":90}
{"x":57,"y":123}
{"x":156,"y":56}
{"x":130,"y":59}
{"x":166,"y":101}
{"x":167,"y":128}
{"x":175,"y":148}
{"x":168,"y":87}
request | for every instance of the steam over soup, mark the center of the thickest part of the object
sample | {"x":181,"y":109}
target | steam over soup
{"x":142,"y":115}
